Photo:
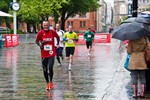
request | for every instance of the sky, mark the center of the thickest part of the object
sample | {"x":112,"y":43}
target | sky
{"x":111,"y":1}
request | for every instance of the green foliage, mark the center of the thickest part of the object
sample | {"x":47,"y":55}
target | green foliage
{"x":74,"y":7}
{"x":18,"y":31}
{"x":79,"y":7}
{"x":34,"y":11}
{"x":148,"y":9}
{"x":122,"y":19}
{"x":4,"y":6}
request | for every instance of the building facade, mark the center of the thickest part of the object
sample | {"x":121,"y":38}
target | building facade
{"x":102,"y":16}
{"x":80,"y":23}
{"x":143,"y":5}
{"x":120,"y":10}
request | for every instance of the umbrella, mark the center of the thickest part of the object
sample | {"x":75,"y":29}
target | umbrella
{"x":137,"y":19}
{"x":130,"y":31}
{"x":5,"y":14}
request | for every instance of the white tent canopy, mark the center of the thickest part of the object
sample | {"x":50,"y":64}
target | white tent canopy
{"x":5,"y":14}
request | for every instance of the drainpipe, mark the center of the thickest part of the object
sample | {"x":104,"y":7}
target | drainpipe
{"x":105,"y":13}
{"x":129,"y":8}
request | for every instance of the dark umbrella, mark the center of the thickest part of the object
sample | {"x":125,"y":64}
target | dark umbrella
{"x":130,"y":31}
{"x":137,"y":19}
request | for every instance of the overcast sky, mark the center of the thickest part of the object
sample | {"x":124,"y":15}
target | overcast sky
{"x":111,"y":1}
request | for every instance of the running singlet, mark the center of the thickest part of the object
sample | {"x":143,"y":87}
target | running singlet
{"x":89,"y":36}
{"x":48,"y":49}
{"x":70,"y":36}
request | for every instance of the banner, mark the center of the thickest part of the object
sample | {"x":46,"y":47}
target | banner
{"x":11,"y":40}
{"x":98,"y":38}
{"x":15,"y":40}
{"x":8,"y":40}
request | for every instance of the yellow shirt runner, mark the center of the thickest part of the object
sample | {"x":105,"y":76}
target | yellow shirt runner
{"x":70,"y":39}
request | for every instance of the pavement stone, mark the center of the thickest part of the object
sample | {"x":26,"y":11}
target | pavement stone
{"x":99,"y":77}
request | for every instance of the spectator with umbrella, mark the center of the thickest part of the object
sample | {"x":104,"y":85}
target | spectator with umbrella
{"x":135,"y":30}
{"x":137,"y":64}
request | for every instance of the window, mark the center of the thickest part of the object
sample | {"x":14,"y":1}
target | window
{"x":82,"y":24}
{"x":82,"y":15}
{"x":70,"y":23}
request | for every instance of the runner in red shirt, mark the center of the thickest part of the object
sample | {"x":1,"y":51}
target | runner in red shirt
{"x":92,"y":29}
{"x":45,"y":40}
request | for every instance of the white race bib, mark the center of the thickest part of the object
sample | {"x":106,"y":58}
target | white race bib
{"x":70,"y":41}
{"x":89,"y":36}
{"x":47,"y":47}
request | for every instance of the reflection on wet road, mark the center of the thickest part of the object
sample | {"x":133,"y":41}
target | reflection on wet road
{"x":21,"y":76}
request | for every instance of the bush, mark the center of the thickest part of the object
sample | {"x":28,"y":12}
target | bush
{"x":18,"y":31}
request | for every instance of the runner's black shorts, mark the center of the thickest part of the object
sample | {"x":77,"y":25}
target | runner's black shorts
{"x":88,"y":44}
{"x":48,"y":63}
{"x":59,"y":51}
{"x":70,"y":51}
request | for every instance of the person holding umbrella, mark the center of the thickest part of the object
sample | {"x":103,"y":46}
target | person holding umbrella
{"x":137,"y":64}
{"x":136,"y":31}
{"x":147,"y":73}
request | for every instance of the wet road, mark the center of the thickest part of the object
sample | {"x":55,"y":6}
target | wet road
{"x":100,"y":77}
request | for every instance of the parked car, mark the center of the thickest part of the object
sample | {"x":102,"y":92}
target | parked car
{"x":4,"y":30}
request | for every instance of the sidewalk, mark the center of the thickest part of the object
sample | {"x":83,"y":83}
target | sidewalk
{"x":100,"y":77}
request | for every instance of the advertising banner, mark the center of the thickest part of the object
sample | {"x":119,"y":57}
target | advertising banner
{"x":98,"y":38}
{"x":11,"y":40}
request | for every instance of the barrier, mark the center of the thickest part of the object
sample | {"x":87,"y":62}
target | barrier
{"x":15,"y":40}
{"x":98,"y":38}
{"x":80,"y":39}
{"x":11,"y":40}
{"x":102,"y":38}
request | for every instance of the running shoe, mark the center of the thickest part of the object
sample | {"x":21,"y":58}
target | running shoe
{"x":59,"y":65}
{"x":47,"y":86}
{"x":88,"y":54}
{"x":51,"y":86}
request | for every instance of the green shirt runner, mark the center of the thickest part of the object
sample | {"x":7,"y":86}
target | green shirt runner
{"x":88,"y":36}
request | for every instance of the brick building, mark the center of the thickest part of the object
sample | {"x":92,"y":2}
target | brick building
{"x":80,"y":23}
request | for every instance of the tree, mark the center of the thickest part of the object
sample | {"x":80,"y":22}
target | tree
{"x":74,"y":7}
{"x":34,"y":11}
{"x":4,"y":6}
{"x":122,"y":19}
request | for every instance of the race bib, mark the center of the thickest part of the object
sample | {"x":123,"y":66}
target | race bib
{"x":47,"y":47}
{"x":70,"y":41}
{"x":89,"y":36}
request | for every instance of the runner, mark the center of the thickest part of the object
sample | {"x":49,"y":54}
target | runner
{"x":45,"y":40}
{"x":92,"y":29}
{"x":59,"y":51}
{"x":70,"y":38}
{"x":89,"y":36}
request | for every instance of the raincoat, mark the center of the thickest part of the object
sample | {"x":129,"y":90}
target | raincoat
{"x":137,"y":50}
